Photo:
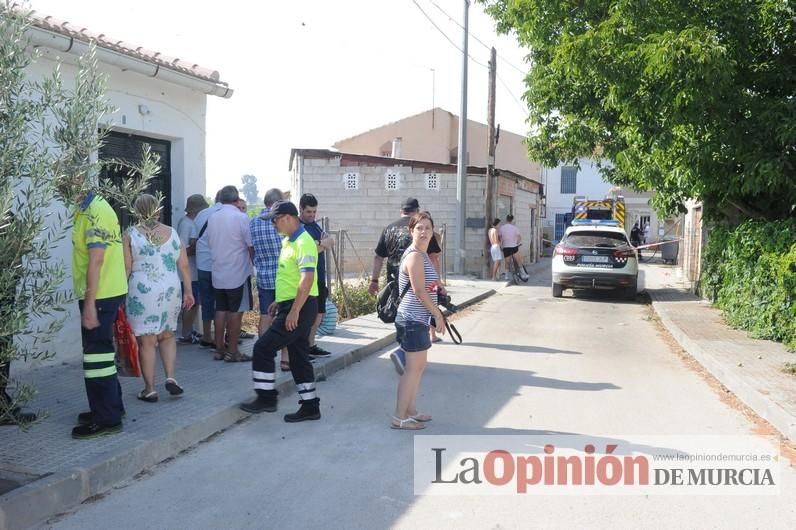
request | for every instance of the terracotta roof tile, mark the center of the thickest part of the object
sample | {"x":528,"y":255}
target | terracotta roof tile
{"x":76,"y":31}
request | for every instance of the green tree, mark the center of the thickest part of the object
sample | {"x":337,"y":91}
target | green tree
{"x":249,"y":190}
{"x":48,"y":134}
{"x":693,"y":98}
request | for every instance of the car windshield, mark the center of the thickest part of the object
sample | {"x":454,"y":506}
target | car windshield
{"x":596,"y":239}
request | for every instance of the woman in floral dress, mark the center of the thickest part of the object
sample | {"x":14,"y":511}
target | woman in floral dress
{"x":152,"y":256}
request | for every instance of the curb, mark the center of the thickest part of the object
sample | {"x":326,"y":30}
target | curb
{"x":763,"y":406}
{"x":57,"y":493}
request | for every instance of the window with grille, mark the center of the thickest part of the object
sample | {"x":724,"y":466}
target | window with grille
{"x":351,"y":181}
{"x":391,"y":180}
{"x":569,"y":179}
{"x":432,"y":181}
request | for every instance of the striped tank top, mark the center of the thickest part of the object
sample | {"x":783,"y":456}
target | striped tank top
{"x":411,"y":308}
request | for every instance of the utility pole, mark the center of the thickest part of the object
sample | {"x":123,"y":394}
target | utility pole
{"x":490,"y":158}
{"x":461,"y":162}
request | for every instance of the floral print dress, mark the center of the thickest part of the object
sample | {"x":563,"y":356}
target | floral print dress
{"x":154,"y":298}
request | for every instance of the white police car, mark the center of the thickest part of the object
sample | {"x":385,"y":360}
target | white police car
{"x":595,"y":254}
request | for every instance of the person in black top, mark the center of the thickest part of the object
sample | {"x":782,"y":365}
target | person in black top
{"x":394,"y":240}
{"x":308,"y":209}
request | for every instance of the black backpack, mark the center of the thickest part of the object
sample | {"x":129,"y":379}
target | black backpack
{"x":388,"y":300}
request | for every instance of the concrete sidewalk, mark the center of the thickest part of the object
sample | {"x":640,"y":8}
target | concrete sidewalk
{"x":43,"y":471}
{"x":750,"y":368}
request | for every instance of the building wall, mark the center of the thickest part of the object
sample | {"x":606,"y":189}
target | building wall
{"x":433,"y":136}
{"x":175,"y":113}
{"x":591,"y":184}
{"x":363,"y":213}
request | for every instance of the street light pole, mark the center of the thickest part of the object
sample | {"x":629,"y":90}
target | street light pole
{"x":461,"y":162}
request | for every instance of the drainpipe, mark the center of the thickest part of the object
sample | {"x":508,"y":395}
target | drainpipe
{"x":44,"y":38}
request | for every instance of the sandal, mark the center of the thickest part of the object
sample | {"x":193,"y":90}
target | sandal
{"x":284,"y":366}
{"x":421,"y":417}
{"x":236,"y":357}
{"x":218,"y":355}
{"x":409,"y":424}
{"x":175,"y":389}
{"x":150,"y":397}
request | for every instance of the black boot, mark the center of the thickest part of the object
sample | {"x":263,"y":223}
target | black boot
{"x":264,"y":402}
{"x":310,"y":410}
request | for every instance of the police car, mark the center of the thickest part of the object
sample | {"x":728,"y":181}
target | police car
{"x":595,"y":254}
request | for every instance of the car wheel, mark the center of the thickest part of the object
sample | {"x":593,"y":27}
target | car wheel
{"x":558,"y":290}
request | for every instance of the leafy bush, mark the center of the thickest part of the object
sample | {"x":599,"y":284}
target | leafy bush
{"x":749,"y":271}
{"x":358,"y":301}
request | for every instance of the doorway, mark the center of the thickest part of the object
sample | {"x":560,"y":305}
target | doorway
{"x":128,"y":147}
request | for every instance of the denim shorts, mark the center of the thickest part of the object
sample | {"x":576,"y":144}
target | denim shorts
{"x":412,"y":336}
{"x":267,"y":297}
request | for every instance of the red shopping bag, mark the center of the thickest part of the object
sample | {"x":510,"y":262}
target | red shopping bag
{"x":127,"y":364}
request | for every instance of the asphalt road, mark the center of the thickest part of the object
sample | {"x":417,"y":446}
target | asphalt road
{"x":530,"y":365}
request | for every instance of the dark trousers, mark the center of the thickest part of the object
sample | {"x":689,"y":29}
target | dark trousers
{"x":99,"y":366}
{"x":298,"y":348}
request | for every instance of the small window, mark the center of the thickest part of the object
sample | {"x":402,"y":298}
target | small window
{"x":432,"y":181}
{"x":569,"y":179}
{"x":391,"y":180}
{"x":351,"y":181}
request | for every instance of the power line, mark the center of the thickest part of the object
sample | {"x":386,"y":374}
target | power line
{"x":502,"y":82}
{"x":446,"y":35}
{"x":524,"y":108}
{"x":479,"y":41}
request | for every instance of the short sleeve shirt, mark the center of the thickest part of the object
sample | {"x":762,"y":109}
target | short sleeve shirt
{"x":267,"y":245}
{"x":394,"y":241}
{"x":204,"y":261}
{"x":316,"y":232}
{"x":186,"y":229}
{"x":229,"y":240}
{"x":299,"y":254}
{"x":508,"y":234}
{"x":97,"y":226}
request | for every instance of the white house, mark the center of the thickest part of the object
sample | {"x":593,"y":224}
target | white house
{"x":564,"y":182}
{"x":161,"y":100}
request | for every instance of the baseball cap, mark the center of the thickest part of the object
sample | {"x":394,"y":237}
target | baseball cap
{"x":410,"y":204}
{"x":282,"y":208}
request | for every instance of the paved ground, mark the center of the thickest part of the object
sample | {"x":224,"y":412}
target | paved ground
{"x":530,"y":365}
{"x":751,"y":368}
{"x":44,"y":471}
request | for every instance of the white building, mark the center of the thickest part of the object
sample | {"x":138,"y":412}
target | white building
{"x":564,"y":182}
{"x":161,"y":100}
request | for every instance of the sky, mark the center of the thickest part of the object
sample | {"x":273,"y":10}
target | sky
{"x":307,"y":73}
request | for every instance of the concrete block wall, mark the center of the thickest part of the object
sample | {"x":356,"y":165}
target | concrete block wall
{"x":364,"y":212}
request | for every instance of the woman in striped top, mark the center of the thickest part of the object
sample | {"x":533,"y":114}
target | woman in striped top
{"x":415,"y":314}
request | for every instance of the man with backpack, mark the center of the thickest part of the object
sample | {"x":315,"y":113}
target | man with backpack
{"x":394,"y":240}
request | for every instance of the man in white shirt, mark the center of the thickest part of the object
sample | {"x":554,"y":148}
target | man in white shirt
{"x":204,"y":268}
{"x":230,"y":243}
{"x":511,"y":239}
{"x":188,"y":231}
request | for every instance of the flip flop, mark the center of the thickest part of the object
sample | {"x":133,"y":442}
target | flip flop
{"x":421,"y":417}
{"x":151,"y":397}
{"x":173,"y":387}
{"x":284,"y":366}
